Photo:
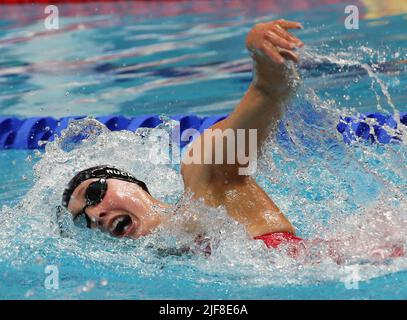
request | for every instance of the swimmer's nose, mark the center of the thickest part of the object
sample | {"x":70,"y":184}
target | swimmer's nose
{"x":97,"y":216}
{"x":101,"y":220}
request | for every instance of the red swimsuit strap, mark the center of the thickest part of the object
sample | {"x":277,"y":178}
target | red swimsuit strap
{"x":273,"y":239}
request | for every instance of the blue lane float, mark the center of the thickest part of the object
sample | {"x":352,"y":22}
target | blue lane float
{"x":18,"y":133}
{"x":373,"y":127}
{"x":27,"y":133}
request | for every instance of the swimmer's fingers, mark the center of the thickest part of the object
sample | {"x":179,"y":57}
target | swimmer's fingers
{"x":274,"y":41}
{"x":279,"y":41}
{"x":273,"y":53}
{"x":289,"y":55}
{"x":288,"y":24}
{"x":277,"y":29}
{"x":279,"y":49}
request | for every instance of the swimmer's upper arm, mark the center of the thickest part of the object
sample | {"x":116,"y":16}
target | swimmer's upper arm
{"x":248,"y":204}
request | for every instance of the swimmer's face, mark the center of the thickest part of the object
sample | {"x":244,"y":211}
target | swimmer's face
{"x":126,"y":210}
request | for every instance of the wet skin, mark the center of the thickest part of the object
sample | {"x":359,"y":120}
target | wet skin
{"x":128,"y":211}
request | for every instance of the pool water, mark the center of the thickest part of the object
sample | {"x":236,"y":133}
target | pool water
{"x":188,"y":57}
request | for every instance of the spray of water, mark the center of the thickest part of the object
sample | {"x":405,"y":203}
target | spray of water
{"x":348,"y":200}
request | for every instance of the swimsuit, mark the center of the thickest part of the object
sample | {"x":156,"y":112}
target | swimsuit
{"x":296,"y":246}
{"x":274,"y":239}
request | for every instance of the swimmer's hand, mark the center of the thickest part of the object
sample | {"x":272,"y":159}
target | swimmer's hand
{"x":271,"y":45}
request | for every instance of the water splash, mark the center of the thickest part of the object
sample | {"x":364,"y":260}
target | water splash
{"x":340,"y":195}
{"x":353,"y":198}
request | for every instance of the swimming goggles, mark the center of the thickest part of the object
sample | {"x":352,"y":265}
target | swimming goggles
{"x":94,"y":194}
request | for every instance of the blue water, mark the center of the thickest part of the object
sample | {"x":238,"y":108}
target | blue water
{"x":190,"y":62}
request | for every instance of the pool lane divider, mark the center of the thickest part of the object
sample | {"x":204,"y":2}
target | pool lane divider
{"x":20,"y":134}
{"x":373,"y":127}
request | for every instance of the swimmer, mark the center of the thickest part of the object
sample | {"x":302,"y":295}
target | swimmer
{"x":114,"y":201}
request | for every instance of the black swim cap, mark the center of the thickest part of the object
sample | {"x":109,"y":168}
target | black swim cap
{"x":106,"y":172}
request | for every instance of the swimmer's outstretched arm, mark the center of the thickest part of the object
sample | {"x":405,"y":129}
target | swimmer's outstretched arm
{"x":274,"y":78}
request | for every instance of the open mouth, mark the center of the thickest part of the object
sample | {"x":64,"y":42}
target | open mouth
{"x":121,"y":226}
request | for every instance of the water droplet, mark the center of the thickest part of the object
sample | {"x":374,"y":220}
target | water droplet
{"x":29,"y":293}
{"x":89,"y":285}
{"x":39,"y":260}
